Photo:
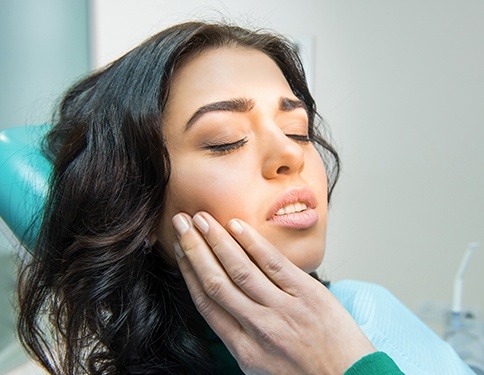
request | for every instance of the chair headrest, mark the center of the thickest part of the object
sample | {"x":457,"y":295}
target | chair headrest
{"x":24,"y":180}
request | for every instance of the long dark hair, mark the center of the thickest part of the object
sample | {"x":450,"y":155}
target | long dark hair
{"x":96,"y":296}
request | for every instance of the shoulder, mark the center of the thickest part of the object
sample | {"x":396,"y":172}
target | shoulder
{"x":362,"y":299}
{"x":395,"y":330}
{"x":376,"y":308}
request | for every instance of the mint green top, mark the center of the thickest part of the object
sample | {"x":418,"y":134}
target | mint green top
{"x":375,"y":363}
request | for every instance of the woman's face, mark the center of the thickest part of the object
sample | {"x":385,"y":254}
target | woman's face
{"x":237,"y":139}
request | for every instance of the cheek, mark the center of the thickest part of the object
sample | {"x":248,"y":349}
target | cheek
{"x":315,"y":174}
{"x":200,"y":191}
{"x":211,"y":187}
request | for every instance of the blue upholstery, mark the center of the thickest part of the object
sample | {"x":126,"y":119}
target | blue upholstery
{"x":24,"y":175}
{"x":392,"y":328}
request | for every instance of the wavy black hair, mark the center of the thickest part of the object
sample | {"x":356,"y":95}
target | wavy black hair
{"x":92,"y":299}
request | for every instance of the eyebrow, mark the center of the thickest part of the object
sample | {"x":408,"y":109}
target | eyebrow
{"x":241,"y":105}
{"x":287,"y":105}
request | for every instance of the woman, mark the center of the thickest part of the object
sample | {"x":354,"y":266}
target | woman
{"x":187,"y":184}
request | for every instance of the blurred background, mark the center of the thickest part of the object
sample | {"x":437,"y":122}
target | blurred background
{"x":401,"y":85}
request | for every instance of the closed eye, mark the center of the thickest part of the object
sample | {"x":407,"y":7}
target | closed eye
{"x":224,"y":148}
{"x":303,"y":138}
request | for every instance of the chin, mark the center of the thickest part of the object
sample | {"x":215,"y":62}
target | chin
{"x":307,"y":257}
{"x":306,"y":252}
{"x":308,"y":266}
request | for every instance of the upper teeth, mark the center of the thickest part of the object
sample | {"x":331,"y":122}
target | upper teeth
{"x":291,"y":208}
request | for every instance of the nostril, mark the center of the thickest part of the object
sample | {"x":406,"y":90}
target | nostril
{"x":283,"y":169}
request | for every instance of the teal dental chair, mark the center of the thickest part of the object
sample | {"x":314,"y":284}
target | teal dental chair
{"x":24,"y":175}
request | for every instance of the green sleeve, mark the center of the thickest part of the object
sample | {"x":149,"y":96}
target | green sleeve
{"x":375,"y":363}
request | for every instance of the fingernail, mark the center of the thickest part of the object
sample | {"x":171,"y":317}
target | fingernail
{"x":178,"y":250}
{"x":235,"y":226}
{"x":181,"y":224}
{"x":201,"y":223}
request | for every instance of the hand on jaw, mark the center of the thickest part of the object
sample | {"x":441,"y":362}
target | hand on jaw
{"x":273,"y":317}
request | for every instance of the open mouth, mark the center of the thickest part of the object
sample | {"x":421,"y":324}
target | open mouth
{"x":292,"y":208}
{"x":295,"y":209}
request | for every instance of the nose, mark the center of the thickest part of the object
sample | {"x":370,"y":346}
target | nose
{"x":282,"y":156}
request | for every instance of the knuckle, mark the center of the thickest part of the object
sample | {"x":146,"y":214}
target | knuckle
{"x":216,"y":242}
{"x":188,"y":245}
{"x":240,"y":275}
{"x":213,"y":286}
{"x":267,"y":334}
{"x":273,"y":266}
{"x":246,"y":360}
{"x":267,"y":337}
{"x":203,"y":304}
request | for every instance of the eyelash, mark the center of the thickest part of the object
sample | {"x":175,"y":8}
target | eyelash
{"x":299,"y":138}
{"x":225,"y":148}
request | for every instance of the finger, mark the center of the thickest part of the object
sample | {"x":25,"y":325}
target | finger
{"x":219,"y":319}
{"x":210,"y":274}
{"x":270,"y":260}
{"x":240,"y":268}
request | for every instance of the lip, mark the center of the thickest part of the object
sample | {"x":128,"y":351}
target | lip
{"x":297,"y":220}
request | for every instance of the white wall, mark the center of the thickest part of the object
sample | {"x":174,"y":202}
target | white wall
{"x":402,"y":87}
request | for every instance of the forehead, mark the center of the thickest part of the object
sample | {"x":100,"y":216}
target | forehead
{"x":225,"y":73}
{"x":223,"y":61}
